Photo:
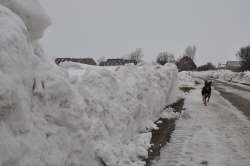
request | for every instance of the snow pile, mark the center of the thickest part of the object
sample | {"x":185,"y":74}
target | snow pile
{"x":121,"y":104}
{"x":75,"y":115}
{"x":32,"y":14}
{"x":169,"y":113}
{"x":185,"y":79}
{"x":243,"y":77}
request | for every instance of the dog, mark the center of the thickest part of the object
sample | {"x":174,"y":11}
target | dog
{"x":206,"y":92}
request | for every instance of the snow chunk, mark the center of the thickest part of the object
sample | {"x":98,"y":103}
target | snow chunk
{"x":32,"y":14}
{"x":15,"y":50}
{"x":185,"y":79}
{"x":169,"y":113}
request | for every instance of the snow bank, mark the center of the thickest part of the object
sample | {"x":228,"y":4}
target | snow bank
{"x":121,"y":104}
{"x":58,"y":116}
{"x":101,"y":116}
{"x":226,"y":75}
{"x":185,"y":79}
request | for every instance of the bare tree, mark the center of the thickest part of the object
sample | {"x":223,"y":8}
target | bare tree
{"x":136,"y":55}
{"x":190,"y":52}
{"x":244,"y":55}
{"x":208,"y":66}
{"x":165,"y":57}
{"x":100,"y":60}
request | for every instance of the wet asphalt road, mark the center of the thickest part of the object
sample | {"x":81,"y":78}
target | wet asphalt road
{"x":236,"y":100}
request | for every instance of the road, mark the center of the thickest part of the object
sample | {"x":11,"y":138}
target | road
{"x":237,"y":95}
{"x":216,"y":135}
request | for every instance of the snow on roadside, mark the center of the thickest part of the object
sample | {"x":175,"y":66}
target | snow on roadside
{"x":226,"y":75}
{"x":69,"y":116}
{"x":170,"y":114}
{"x":242,"y":93}
{"x":185,"y":79}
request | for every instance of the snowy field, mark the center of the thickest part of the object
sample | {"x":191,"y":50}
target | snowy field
{"x":72,"y":114}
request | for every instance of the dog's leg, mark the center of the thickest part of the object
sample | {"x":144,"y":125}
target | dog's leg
{"x":208,"y":98}
{"x":204,"y":100}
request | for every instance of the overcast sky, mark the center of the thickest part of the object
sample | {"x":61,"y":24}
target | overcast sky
{"x":113,"y":28}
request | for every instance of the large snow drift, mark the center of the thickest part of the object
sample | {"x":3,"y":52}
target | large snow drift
{"x":54,"y":116}
{"x":121,"y":104}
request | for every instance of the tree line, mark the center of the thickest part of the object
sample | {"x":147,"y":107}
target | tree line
{"x":244,"y":55}
{"x":162,"y":58}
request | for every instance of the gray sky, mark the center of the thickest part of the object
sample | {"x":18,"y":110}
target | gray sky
{"x":114,"y":28}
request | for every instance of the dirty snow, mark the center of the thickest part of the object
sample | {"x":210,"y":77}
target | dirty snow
{"x":169,"y":113}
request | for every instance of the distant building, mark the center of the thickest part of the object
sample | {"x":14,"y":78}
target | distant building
{"x":127,"y":61}
{"x":221,"y":65}
{"x":186,"y":64}
{"x":206,"y":67}
{"x":233,"y":64}
{"x":117,"y":62}
{"x":88,"y":61}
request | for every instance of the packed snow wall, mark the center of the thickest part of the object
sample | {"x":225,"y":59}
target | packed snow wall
{"x":74,"y":114}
